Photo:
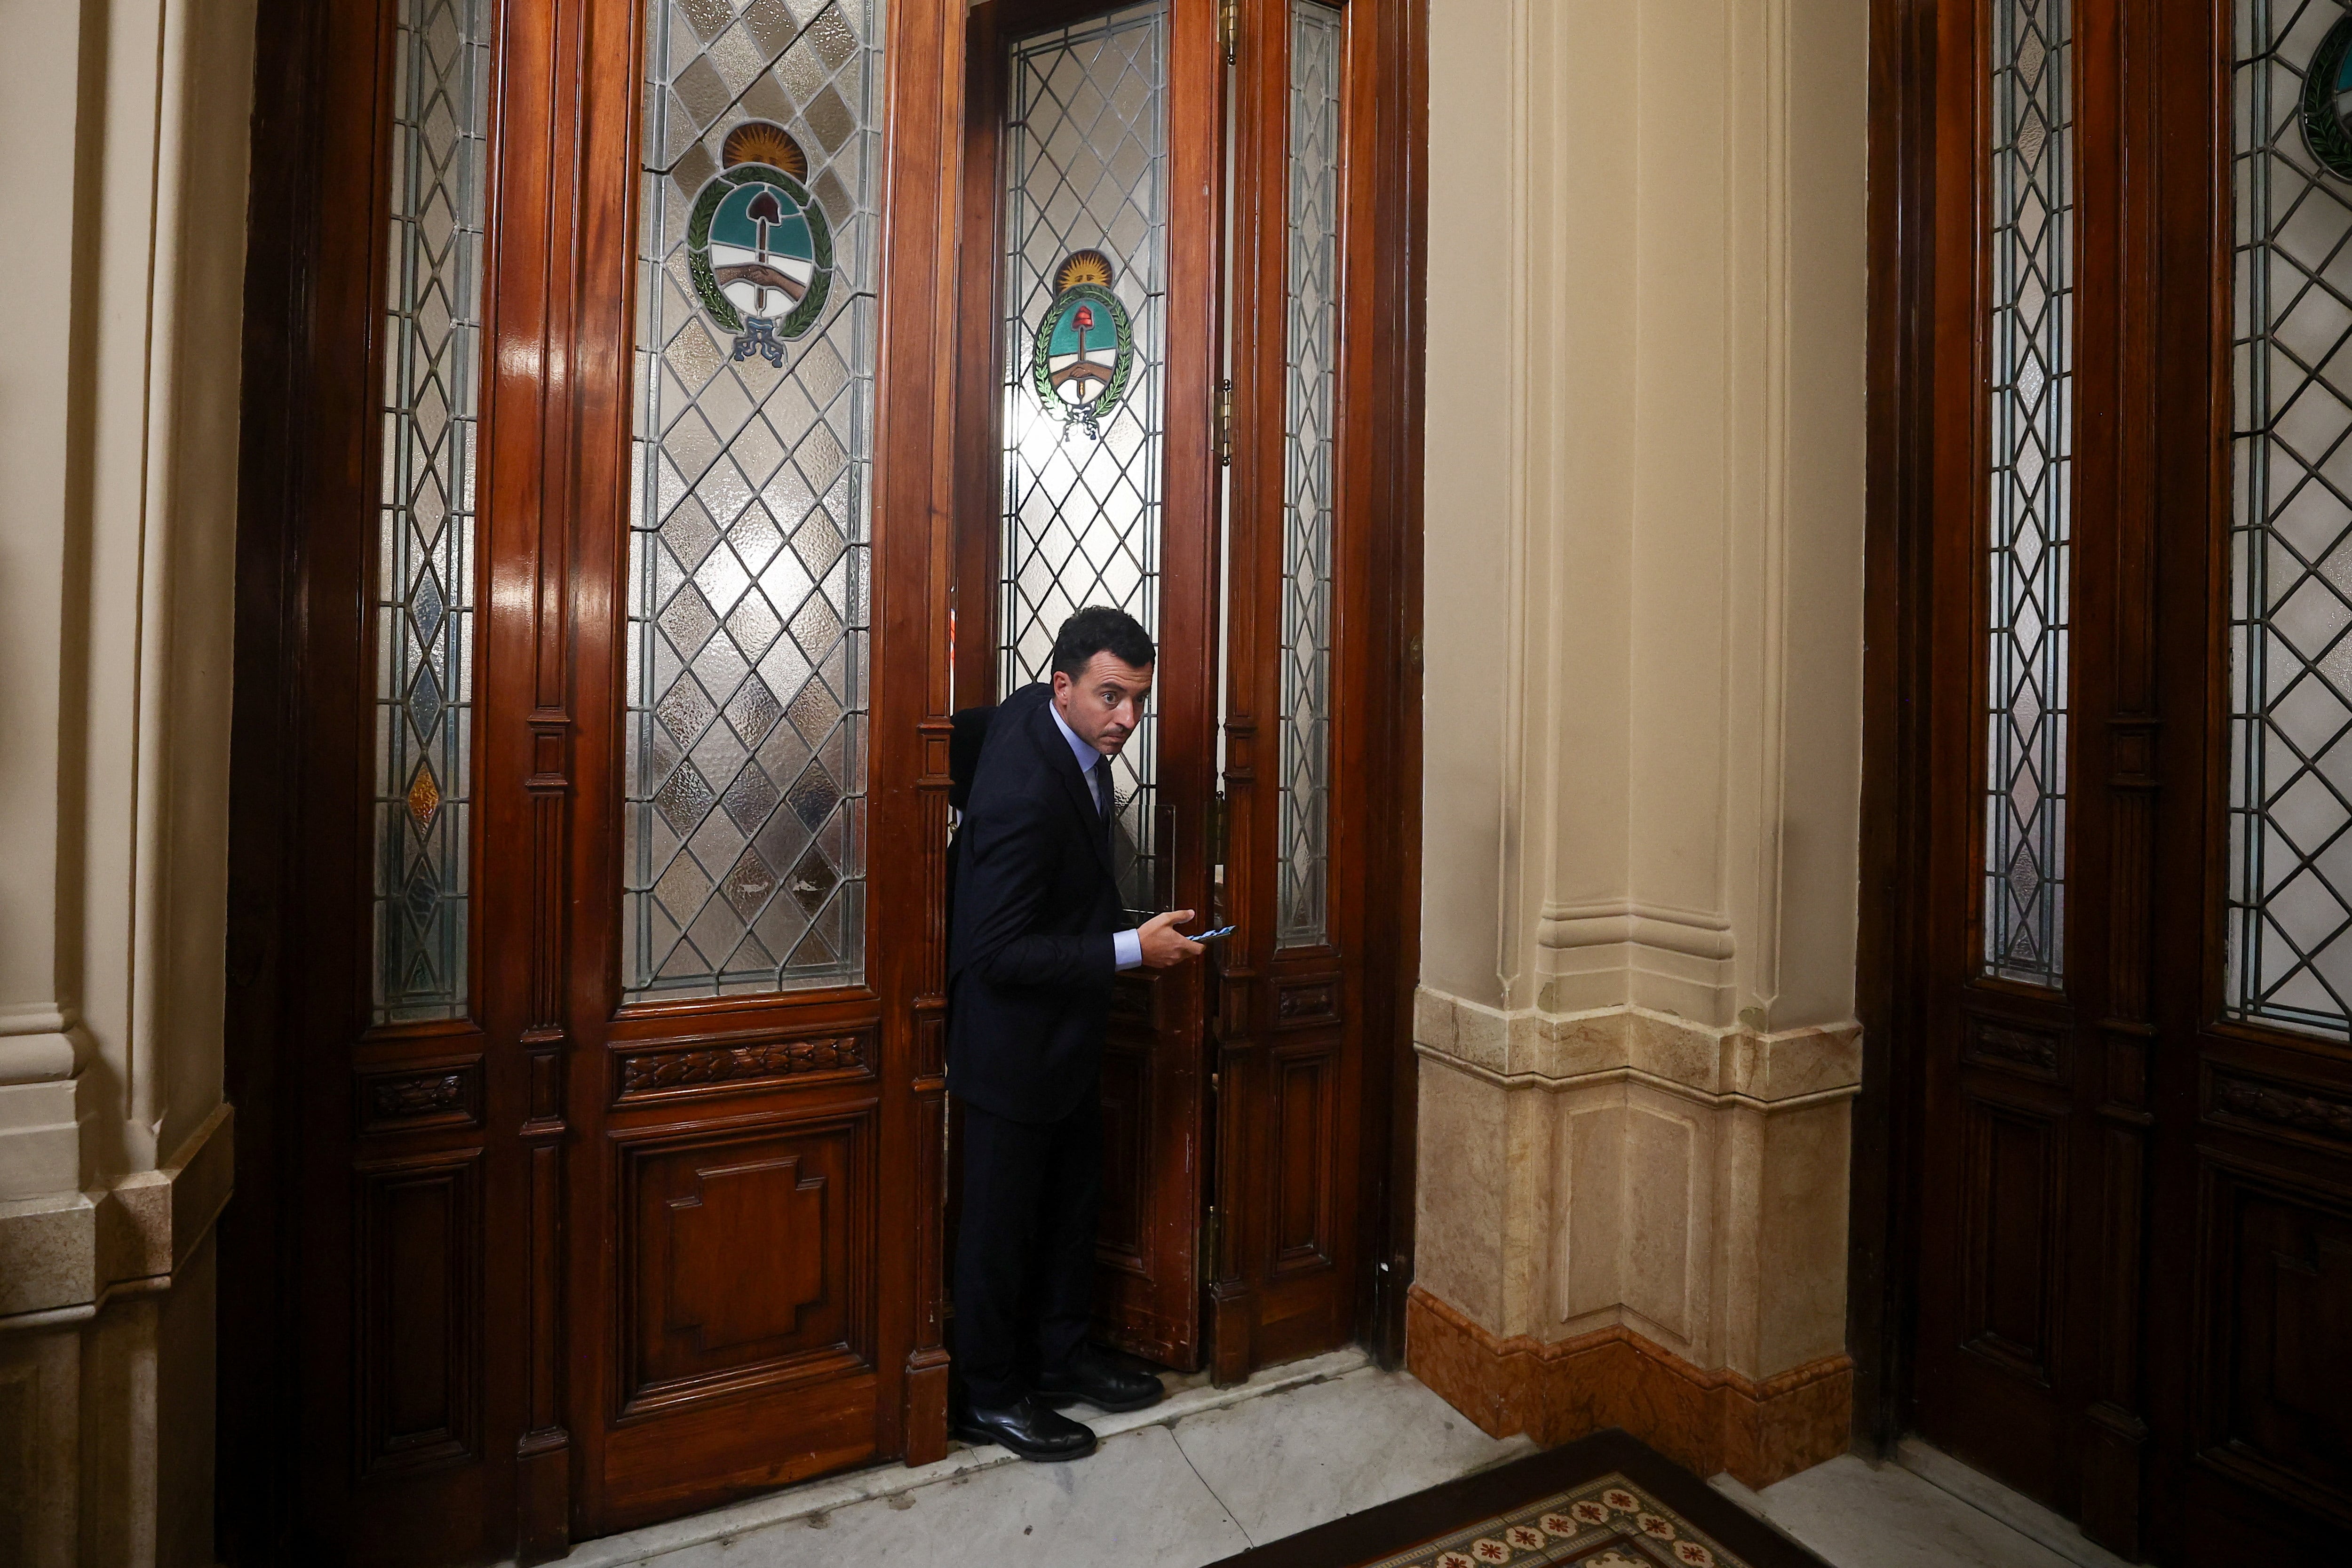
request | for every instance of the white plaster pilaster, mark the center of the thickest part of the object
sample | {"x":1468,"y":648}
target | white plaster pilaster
{"x":123,"y":218}
{"x":1644,"y":506}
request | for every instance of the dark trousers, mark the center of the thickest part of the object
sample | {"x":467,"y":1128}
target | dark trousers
{"x":1024,"y":1267}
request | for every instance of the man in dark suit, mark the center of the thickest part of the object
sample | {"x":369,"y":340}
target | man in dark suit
{"x":1038,"y":932}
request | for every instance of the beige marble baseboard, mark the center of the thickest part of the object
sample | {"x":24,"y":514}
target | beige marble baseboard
{"x":107,"y":1325}
{"x":1707,"y":1420}
{"x":1631,"y":1179}
{"x":64,"y":1255}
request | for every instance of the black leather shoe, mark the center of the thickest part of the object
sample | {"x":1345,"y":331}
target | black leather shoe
{"x":1030,"y":1428}
{"x":1101,"y":1382}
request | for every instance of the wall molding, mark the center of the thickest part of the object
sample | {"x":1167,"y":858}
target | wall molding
{"x":1761,"y":1430}
{"x":64,"y":1257}
{"x":1635,"y":1075}
{"x":1554,"y":1050}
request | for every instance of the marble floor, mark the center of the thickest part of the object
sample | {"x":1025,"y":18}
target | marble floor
{"x":1923,"y":1509}
{"x":1211,"y":1471}
{"x":1206,"y":1473}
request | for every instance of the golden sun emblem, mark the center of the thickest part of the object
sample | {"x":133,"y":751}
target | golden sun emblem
{"x":758,"y":141}
{"x":1082,"y":267}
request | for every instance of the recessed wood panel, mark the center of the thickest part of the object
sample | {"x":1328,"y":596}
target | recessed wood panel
{"x":2013,"y":1206}
{"x":2279,"y":1358}
{"x":418,"y":1228}
{"x":1305,"y":1085}
{"x":1125,"y":1113}
{"x":747,"y":1255}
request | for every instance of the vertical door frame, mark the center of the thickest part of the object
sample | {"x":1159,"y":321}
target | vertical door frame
{"x":1899,"y":367}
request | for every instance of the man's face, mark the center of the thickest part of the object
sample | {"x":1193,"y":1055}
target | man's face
{"x":1104,"y":703}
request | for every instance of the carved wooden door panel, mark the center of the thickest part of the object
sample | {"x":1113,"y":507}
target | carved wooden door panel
{"x":2135,"y":1210}
{"x":624,"y":1184}
{"x":730,"y":767}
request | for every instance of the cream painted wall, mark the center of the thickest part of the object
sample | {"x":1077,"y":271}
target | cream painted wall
{"x":1643,"y":514}
{"x":122,"y":220}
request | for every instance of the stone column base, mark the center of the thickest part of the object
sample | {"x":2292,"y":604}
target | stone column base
{"x":1705,"y":1421}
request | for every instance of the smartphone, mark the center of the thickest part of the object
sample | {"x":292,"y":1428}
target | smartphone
{"x":1217,"y":935}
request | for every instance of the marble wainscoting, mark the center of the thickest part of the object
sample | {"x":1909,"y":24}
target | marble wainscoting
{"x":1628,"y":1219}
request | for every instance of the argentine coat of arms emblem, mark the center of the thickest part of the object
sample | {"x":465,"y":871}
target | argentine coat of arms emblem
{"x":2327,"y":98}
{"x":758,"y":248}
{"x":1084,"y":352}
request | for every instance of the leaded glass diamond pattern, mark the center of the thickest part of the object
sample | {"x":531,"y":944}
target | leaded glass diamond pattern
{"x":1303,"y":838}
{"x":2290,"y":927}
{"x":746,"y":861}
{"x":2030,"y":596}
{"x":424,"y":579}
{"x":1084,"y":169}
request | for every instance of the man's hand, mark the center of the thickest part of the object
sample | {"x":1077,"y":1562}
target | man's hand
{"x":1163,"y":944}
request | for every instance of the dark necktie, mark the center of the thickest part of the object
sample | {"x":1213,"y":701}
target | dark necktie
{"x":1103,"y":797}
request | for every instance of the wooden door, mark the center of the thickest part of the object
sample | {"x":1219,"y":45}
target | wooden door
{"x":2246,"y":572}
{"x":1310,"y":658}
{"x":1234,"y":1092}
{"x":1093,"y":180}
{"x":2134,"y":1172}
{"x":2018,"y":962}
{"x":626,"y":689}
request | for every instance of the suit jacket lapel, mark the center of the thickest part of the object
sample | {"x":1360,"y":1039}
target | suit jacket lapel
{"x":1064,"y":766}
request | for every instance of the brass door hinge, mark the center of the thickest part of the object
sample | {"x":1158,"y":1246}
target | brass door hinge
{"x":1209,"y":1245}
{"x":1217,"y":829}
{"x":1229,"y":26}
{"x":1224,"y":424}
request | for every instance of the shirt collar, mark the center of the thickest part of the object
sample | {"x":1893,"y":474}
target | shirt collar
{"x":1086,"y":756}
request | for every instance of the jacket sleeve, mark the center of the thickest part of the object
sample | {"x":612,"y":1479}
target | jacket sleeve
{"x":1006,"y":873}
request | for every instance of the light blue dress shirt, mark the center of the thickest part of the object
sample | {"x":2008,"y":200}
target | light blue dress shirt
{"x":1126,"y":945}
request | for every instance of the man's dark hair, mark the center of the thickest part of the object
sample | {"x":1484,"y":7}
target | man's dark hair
{"x":1098,"y":629}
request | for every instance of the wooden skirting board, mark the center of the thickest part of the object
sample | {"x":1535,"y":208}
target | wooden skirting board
{"x":1705,"y":1420}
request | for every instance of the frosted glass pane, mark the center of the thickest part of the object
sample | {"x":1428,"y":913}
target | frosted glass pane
{"x":1084,"y":311}
{"x":745,"y":868}
{"x":2032,"y":343}
{"x":2290,"y":956}
{"x":424,"y":608}
{"x":1303,"y":839}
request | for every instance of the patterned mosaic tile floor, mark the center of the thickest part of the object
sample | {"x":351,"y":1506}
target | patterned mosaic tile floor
{"x":1602,"y":1501}
{"x":1607,"y":1524}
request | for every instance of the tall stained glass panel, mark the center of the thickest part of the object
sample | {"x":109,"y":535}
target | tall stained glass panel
{"x":1310,"y":388}
{"x":2032,"y":346}
{"x":425,"y":530}
{"x":1085,"y":313}
{"x":747,"y":591}
{"x":2289,"y":925}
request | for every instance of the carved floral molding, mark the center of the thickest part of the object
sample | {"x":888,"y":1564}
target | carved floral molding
{"x":659,"y":1072}
{"x":2315,"y":1115}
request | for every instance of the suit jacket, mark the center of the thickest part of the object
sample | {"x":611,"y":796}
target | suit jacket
{"x":1030,"y":953}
